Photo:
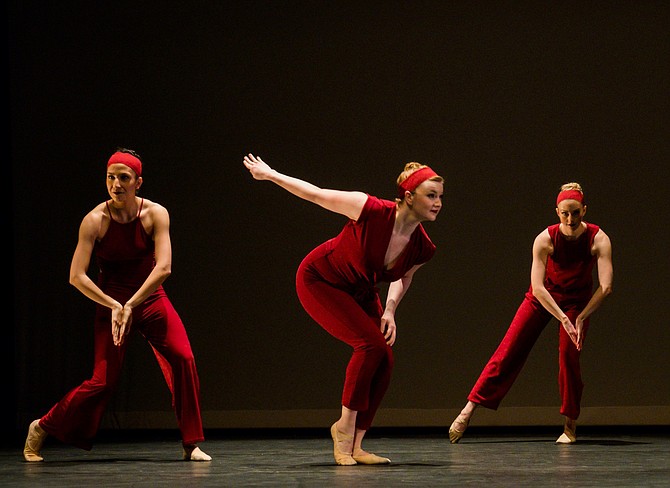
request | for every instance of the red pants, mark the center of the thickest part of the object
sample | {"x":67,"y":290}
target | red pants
{"x":356,"y":323}
{"x":76,"y":418}
{"x":505,"y":365}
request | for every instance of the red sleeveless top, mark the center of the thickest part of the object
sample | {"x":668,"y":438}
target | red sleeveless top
{"x":125,"y":257}
{"x":570,"y":268}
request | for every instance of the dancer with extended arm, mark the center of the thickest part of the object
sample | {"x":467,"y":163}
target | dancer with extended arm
{"x":383,"y":241}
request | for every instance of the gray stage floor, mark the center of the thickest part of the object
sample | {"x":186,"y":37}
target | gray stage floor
{"x":614,"y":458}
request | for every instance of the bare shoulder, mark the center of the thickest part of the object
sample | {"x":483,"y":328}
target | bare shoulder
{"x":601,"y":241}
{"x":153,"y":208}
{"x":542,"y":239}
{"x":97,"y":215}
{"x":151,"y":205}
{"x":602,"y":235}
{"x":542,"y":243}
{"x":95,"y":222}
{"x":155,"y":217}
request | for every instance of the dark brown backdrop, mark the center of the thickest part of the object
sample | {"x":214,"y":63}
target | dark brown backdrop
{"x":508,"y":100}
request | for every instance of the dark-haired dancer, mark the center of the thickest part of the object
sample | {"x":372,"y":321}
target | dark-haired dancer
{"x":383,"y":241}
{"x":130,"y":238}
{"x":561,"y":286}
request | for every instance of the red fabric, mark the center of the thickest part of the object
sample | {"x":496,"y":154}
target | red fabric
{"x":125,"y":256}
{"x":569,"y":268}
{"x":336,"y":286}
{"x":568,"y":279}
{"x":415,"y":179}
{"x":128,"y":159}
{"x":570,"y":195}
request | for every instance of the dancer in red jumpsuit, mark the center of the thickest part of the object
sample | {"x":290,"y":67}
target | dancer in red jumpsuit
{"x":561,"y":286}
{"x":130,"y":238}
{"x":383,"y":241}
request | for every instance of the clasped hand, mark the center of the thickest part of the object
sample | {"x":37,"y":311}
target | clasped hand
{"x":576,"y":333}
{"x":122,"y":317}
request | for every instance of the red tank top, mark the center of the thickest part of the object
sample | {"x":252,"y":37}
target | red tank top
{"x":125,"y":256}
{"x":357,"y":253}
{"x":570,"y":267}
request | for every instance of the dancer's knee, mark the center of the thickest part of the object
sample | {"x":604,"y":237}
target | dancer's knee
{"x":377,"y":349}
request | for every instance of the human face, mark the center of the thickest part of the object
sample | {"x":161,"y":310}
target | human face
{"x":570,"y":213}
{"x":122,"y":183}
{"x":426,"y":200}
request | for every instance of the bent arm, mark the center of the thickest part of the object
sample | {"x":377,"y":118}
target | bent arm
{"x":603,"y":250}
{"x":396,"y":292}
{"x":88,"y":232}
{"x":162,"y":254}
{"x":398,"y":289}
{"x":347,"y":203}
{"x":541,"y":249}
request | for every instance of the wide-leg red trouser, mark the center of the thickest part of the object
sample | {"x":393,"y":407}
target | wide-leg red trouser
{"x":502,"y":369}
{"x":76,"y":418}
{"x":368,"y":373}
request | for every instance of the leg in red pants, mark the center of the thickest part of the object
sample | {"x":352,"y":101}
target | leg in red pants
{"x":368,"y":373}
{"x":570,"y":383}
{"x":76,"y":418}
{"x":163,"y":328}
{"x":509,"y":358}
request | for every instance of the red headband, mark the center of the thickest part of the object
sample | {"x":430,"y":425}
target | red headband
{"x":415,"y":179}
{"x":128,"y":159}
{"x":570,"y":195}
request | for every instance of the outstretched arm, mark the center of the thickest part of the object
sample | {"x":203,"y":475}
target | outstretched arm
{"x":347,"y":203}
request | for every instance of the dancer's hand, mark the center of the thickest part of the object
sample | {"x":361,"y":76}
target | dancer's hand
{"x":572,"y":331}
{"x":257,"y":167}
{"x":121,"y":320}
{"x":388,"y":328}
{"x":581,"y":332}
